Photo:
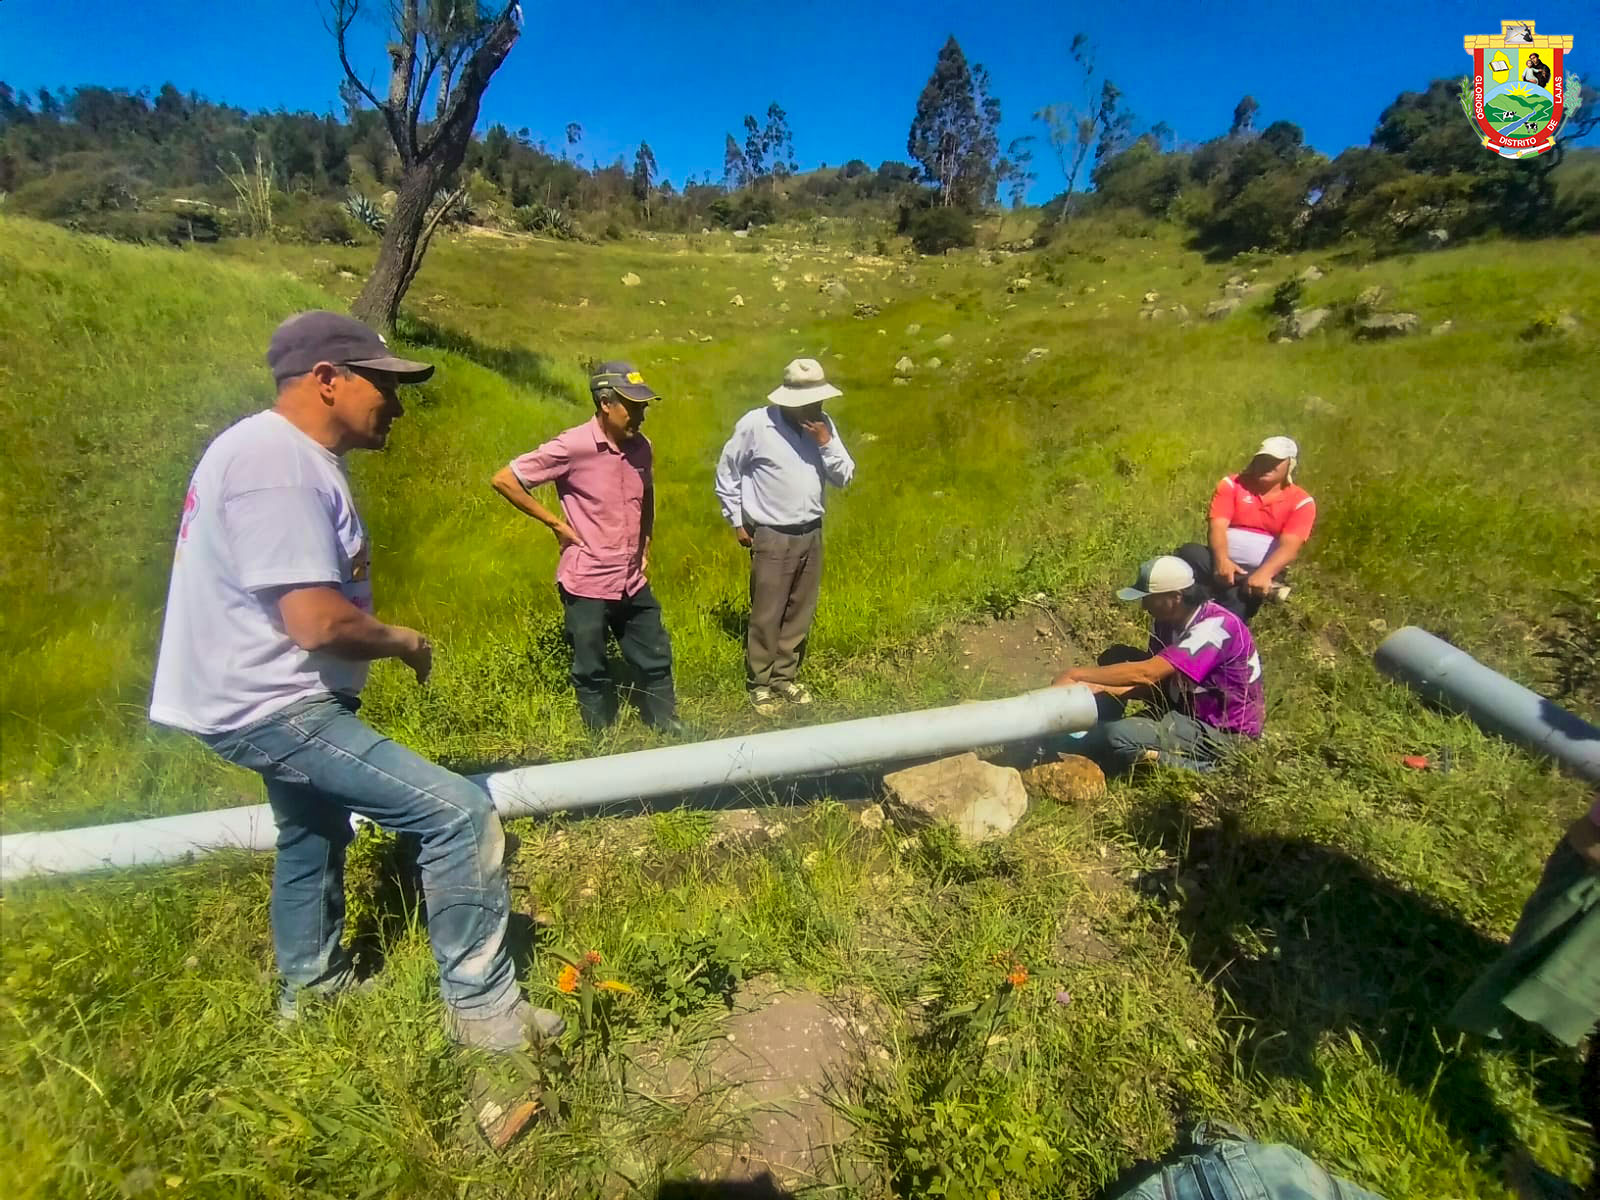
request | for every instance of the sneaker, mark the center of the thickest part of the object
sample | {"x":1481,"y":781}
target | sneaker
{"x":764,"y":700}
{"x":511,"y":1030}
{"x":794,"y":693}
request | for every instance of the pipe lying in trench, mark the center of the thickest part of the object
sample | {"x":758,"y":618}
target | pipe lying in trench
{"x":592,"y":785}
{"x":1455,"y":680}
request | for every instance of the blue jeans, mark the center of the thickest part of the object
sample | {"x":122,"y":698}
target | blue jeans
{"x":1181,"y":741}
{"x":321,"y":763}
{"x":1223,"y":1167}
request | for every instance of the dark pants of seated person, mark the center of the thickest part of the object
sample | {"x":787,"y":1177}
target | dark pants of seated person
{"x":1118,"y":742}
{"x":1235,"y":599}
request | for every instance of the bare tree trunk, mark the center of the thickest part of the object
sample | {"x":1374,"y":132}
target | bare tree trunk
{"x":431,"y":154}
{"x":379,"y":302}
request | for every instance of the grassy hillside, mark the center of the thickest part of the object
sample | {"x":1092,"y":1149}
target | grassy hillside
{"x":1453,"y":493}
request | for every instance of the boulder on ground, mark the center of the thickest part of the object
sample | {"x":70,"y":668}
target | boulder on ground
{"x":1302,"y":323}
{"x":631,"y":280}
{"x":945,"y":339}
{"x":1073,"y":779}
{"x":1035,"y":354}
{"x":1218,"y":309}
{"x":1310,"y":275}
{"x":913,"y":329}
{"x":980,"y":800}
{"x":1019,"y":284}
{"x":905,"y":366}
{"x":1387,"y":325}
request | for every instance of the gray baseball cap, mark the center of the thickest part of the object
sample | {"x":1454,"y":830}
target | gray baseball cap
{"x":622,"y":378}
{"x":308,"y":338}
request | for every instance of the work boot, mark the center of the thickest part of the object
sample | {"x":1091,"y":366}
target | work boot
{"x":511,"y":1030}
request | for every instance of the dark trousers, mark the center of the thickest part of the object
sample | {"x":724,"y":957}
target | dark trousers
{"x":635,"y":621}
{"x":785,"y":581}
{"x":1235,"y":599}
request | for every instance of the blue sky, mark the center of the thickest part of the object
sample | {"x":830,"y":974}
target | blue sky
{"x":681,"y":75}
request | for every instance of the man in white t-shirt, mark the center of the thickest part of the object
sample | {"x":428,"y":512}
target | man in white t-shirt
{"x":268,"y":635}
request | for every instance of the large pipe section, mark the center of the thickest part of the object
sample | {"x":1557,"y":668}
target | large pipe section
{"x":591,"y":785}
{"x":1455,"y":680}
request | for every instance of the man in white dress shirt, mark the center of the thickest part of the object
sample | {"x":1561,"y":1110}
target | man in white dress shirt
{"x":770,"y":481}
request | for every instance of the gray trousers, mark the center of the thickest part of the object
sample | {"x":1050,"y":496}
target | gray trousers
{"x":785,"y":579}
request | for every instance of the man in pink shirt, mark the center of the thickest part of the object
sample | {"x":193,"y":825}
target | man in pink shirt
{"x":602,"y":471}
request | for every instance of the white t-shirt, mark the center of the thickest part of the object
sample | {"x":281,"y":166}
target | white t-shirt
{"x":267,"y":509}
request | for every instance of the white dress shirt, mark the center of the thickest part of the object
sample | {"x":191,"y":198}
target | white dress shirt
{"x":772,"y":474}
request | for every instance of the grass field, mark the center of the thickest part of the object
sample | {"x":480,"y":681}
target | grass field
{"x":1296,"y":926}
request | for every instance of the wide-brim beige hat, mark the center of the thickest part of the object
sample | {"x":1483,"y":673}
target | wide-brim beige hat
{"x":803,"y":383}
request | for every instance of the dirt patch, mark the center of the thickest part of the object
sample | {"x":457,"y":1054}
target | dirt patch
{"x":1018,"y":654}
{"x":768,"y":1075}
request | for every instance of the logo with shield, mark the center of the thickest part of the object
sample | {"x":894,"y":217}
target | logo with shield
{"x":1518,"y":94}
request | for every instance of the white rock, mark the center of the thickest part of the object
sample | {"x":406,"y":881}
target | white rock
{"x":980,"y":800}
{"x":631,"y":280}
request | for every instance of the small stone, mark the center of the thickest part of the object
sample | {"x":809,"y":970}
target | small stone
{"x":737,"y":301}
{"x":1073,"y":779}
{"x":631,"y":280}
{"x":872,"y":817}
{"x":705,"y":337}
{"x":913,"y":329}
{"x":583,"y":302}
{"x":900,"y":381}
{"x":1035,"y":354}
{"x":1218,"y":309}
{"x":1151,"y":297}
{"x":1020,"y":284}
{"x":1311,"y":274}
{"x":934,"y":364}
{"x":905,"y":366}
{"x":1442,"y":327}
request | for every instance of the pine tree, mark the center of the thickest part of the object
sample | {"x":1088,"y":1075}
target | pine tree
{"x":735,"y":169}
{"x":644,"y":174}
{"x":954,"y":134}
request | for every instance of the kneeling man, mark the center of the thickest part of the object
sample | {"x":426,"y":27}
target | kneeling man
{"x":1201,"y":665}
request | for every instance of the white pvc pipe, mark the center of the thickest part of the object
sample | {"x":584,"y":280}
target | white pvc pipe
{"x":1455,"y":680}
{"x":594,"y":783}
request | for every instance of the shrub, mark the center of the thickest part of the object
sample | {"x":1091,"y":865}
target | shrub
{"x":64,"y":194}
{"x":359,"y":208}
{"x":543,"y":219}
{"x":307,"y":218}
{"x":936,"y":230}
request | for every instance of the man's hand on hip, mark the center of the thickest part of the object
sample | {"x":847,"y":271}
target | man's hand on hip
{"x":566,"y":536}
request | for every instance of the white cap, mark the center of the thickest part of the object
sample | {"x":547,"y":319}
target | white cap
{"x":803,"y":383}
{"x":1280,"y":448}
{"x":1169,"y":573}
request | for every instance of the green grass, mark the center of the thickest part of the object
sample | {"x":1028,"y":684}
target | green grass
{"x":1304,"y":919}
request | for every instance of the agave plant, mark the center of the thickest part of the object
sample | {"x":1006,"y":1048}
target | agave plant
{"x":364,"y":210}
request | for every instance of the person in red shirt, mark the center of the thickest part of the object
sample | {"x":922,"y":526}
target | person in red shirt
{"x":1259,"y":520}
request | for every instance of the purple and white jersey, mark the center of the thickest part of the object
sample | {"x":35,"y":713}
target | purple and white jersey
{"x":1218,"y":669}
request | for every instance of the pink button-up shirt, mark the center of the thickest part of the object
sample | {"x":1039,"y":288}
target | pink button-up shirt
{"x":608,"y":497}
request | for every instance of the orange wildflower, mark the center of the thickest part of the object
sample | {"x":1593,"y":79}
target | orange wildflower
{"x":592,"y":958}
{"x":1018,"y":976}
{"x":568,"y":980}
